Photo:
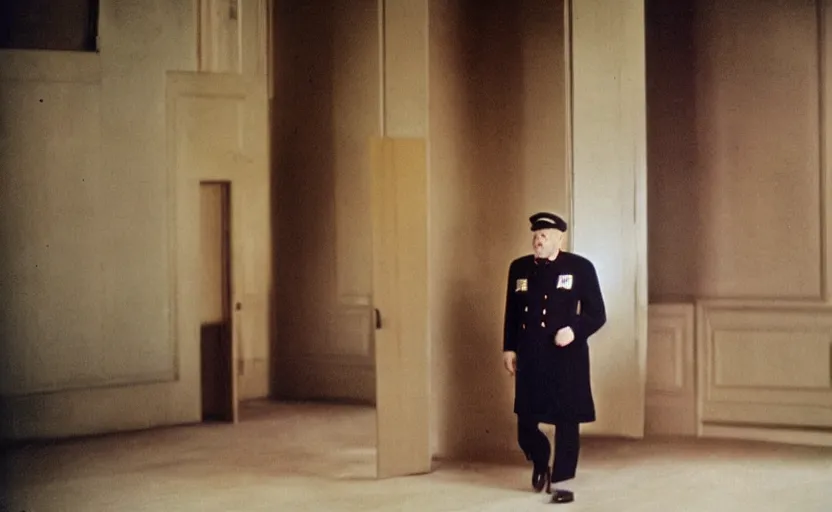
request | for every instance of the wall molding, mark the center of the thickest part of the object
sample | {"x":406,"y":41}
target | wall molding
{"x":71,"y":385}
{"x":331,"y":378}
{"x":671,"y":386}
{"x":50,"y":66}
{"x":233,"y":37}
{"x":803,"y":437}
{"x":744,"y":355}
{"x":824,"y":12}
{"x":349,"y":335}
{"x":340,"y":368}
{"x":763,"y":361}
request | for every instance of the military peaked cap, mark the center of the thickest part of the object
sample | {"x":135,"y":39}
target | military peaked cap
{"x":545,"y":220}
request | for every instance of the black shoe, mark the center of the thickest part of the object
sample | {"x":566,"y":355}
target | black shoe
{"x":541,"y":478}
{"x":562,"y":496}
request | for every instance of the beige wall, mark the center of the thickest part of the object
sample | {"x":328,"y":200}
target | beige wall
{"x":86,"y":271}
{"x":86,"y":274}
{"x":97,"y":326}
{"x":326,"y":106}
{"x":738,"y":210}
{"x":735,"y":169}
{"x":497,"y":138}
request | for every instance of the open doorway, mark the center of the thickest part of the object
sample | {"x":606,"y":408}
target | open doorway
{"x":326,"y":106}
{"x":219,"y":399}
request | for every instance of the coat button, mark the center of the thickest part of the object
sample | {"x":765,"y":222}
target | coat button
{"x":526,"y":308}
{"x":544,"y":311}
{"x":524,"y":327}
{"x":542,"y":324}
{"x":545,"y":297}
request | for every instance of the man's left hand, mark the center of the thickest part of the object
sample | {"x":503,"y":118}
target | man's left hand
{"x":564,"y":336}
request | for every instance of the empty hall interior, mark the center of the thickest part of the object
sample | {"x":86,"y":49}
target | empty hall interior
{"x":254,"y":251}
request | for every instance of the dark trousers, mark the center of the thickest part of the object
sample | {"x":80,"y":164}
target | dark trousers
{"x":536,"y":447}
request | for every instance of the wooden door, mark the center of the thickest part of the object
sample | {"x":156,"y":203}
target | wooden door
{"x":400,"y":296}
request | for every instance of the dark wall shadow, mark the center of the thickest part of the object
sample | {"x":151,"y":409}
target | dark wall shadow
{"x":485,"y":73}
{"x":303,"y":216}
{"x":675,"y":184}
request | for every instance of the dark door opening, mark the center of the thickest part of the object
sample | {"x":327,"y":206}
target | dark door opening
{"x":216,"y":340}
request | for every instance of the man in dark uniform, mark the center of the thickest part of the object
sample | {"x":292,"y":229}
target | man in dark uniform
{"x":553,"y":305}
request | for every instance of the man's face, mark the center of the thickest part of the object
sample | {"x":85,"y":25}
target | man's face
{"x":545,"y":242}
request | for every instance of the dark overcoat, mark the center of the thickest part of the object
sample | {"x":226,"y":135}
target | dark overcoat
{"x":552,"y":384}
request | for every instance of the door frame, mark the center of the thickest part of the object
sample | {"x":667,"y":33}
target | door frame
{"x":245,"y":168}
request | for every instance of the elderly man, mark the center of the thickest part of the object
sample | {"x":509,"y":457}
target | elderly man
{"x":553,"y":305}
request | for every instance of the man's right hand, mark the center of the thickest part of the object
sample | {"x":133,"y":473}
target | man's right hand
{"x":510,"y":361}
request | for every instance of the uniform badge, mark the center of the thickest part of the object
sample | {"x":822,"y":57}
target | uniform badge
{"x":565,"y":281}
{"x":522,"y":285}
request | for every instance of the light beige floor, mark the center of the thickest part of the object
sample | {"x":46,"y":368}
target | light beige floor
{"x":318,"y":458}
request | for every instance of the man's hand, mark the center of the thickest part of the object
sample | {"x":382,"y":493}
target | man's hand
{"x":564,"y":336}
{"x":510,"y":361}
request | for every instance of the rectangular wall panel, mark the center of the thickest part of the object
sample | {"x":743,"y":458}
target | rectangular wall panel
{"x":772,"y":359}
{"x":765,"y":365}
{"x":671,"y":389}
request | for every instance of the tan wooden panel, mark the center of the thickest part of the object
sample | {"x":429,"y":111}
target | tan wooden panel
{"x":400,"y":280}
